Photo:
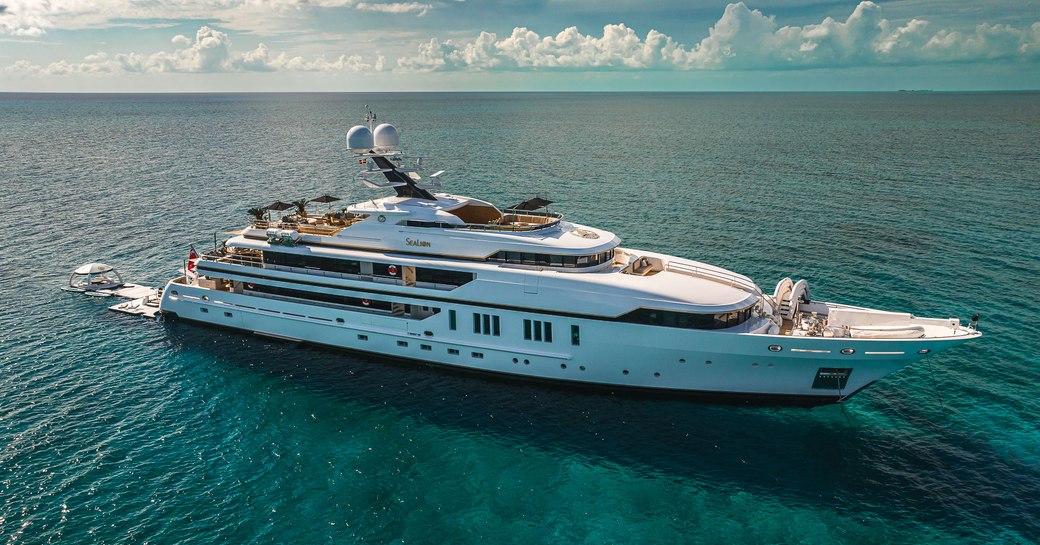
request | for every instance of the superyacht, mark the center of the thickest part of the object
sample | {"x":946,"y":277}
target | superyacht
{"x":519,"y":292}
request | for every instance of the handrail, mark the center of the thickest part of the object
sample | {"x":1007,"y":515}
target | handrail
{"x":304,"y":228}
{"x":234,"y":260}
{"x":258,"y":263}
{"x":518,"y":212}
{"x":729,"y":279}
{"x":497,"y":227}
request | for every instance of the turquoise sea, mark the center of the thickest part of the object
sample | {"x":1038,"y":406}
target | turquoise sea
{"x":118,"y":430}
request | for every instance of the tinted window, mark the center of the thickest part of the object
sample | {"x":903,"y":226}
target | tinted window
{"x":440,"y":276}
{"x":686,"y":320}
{"x":306,"y":261}
{"x":324,"y":297}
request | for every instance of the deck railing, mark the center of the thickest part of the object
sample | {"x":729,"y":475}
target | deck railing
{"x":526,"y":220}
{"x":256,"y":261}
{"x":722,"y":277}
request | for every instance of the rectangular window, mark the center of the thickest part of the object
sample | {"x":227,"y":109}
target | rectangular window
{"x":362,"y":337}
{"x":453,"y":351}
{"x":487,"y":324}
{"x":441,"y":276}
{"x":451,"y":320}
{"x":478,"y":355}
{"x":537,"y":330}
{"x":575,"y":335}
{"x":287,"y":259}
{"x":425,"y":347}
{"x":323,"y":297}
{"x":402,"y":343}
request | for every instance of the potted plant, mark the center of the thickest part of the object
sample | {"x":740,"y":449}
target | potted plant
{"x":257,"y":214}
{"x":301,"y":207}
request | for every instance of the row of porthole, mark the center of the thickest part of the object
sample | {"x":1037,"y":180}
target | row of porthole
{"x":844,"y":351}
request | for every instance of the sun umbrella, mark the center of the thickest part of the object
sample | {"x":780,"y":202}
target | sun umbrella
{"x":326,"y":199}
{"x":532,"y":204}
{"x":277,"y":206}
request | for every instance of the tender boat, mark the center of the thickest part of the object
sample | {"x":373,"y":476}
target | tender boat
{"x":521,"y":292}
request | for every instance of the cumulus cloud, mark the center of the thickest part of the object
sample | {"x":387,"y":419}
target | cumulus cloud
{"x":742,"y":39}
{"x":210,"y":51}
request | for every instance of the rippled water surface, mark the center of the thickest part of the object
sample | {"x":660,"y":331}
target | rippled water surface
{"x":118,"y":430}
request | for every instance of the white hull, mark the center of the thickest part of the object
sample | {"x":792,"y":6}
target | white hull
{"x":455,"y":281}
{"x":613,"y":355}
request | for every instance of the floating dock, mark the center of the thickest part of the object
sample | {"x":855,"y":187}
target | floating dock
{"x":145,"y":302}
{"x":100,"y":280}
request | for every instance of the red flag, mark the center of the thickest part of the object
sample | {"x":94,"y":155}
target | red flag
{"x":192,"y":258}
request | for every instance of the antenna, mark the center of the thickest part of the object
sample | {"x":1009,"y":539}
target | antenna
{"x":370,"y":118}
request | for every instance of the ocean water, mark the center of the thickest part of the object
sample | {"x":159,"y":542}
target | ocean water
{"x":119,"y":430}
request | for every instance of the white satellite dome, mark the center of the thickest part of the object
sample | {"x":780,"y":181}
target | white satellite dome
{"x":386,"y":136}
{"x":359,"y":139}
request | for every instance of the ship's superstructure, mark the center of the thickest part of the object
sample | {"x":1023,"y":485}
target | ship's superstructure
{"x":456,"y":281}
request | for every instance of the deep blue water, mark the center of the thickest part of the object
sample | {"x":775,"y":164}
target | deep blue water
{"x":119,"y":430}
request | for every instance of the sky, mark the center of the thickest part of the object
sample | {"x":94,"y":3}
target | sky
{"x":517,"y":45}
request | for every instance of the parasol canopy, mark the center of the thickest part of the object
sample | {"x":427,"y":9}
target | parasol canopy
{"x":278,"y":206}
{"x":325,"y":199}
{"x":532,"y":204}
{"x":94,"y":268}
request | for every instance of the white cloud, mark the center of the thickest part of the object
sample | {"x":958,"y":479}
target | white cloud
{"x":742,"y":39}
{"x":35,"y":17}
{"x":210,"y":51}
{"x":396,"y":7}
